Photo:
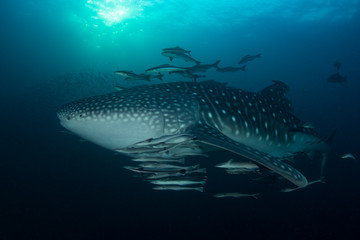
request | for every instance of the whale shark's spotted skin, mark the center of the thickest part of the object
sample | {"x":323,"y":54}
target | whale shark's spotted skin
{"x":260,"y":126}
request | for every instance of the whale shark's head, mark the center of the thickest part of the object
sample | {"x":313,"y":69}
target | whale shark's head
{"x":111,"y":121}
{"x":125,"y":117}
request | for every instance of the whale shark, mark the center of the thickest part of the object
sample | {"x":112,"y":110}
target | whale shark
{"x":179,"y":119}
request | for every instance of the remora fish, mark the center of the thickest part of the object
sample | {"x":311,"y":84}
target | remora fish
{"x":203,"y":67}
{"x":237,"y":195}
{"x":178,"y":188}
{"x":119,"y":88}
{"x":231,"y":69}
{"x":178,"y":182}
{"x":167,"y":166}
{"x":145,"y":170}
{"x":348,"y":155}
{"x":180,"y":55}
{"x":238,"y":165}
{"x":188,"y":74}
{"x":177,"y":49}
{"x":258,"y":126}
{"x":248,"y":58}
{"x":178,"y":174}
{"x":131,"y":75}
{"x":165,"y":68}
{"x":160,"y":160}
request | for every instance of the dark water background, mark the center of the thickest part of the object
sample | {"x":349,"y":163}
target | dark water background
{"x":52,"y":186}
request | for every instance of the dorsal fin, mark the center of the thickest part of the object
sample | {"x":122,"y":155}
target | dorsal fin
{"x":277,"y":89}
{"x":275,"y":94}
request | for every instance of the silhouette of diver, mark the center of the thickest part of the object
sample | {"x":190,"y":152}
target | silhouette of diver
{"x":337,"y":64}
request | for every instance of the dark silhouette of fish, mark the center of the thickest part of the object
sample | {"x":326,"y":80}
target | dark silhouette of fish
{"x":177,"y":49}
{"x":180,"y":55}
{"x":203,"y":67}
{"x":188,"y":74}
{"x":231,"y":69}
{"x":130,"y":75}
{"x":248,"y":58}
{"x":164,"y":68}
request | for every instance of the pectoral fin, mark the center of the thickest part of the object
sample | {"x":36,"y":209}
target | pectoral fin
{"x":212,"y":136}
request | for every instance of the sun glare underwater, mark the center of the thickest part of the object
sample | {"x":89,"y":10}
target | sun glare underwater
{"x":114,"y":16}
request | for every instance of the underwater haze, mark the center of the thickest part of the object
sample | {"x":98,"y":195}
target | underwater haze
{"x":55,"y":185}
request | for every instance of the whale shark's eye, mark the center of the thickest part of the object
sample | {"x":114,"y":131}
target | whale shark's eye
{"x":68,"y":118}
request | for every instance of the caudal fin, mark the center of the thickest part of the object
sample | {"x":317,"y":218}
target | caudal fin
{"x":215,"y":64}
{"x":200,"y":189}
{"x":243,"y":68}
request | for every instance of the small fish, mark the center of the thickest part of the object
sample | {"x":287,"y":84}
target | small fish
{"x":164,"y":175}
{"x":231,"y":165}
{"x":231,"y":69}
{"x":134,"y":150}
{"x":165,"y":68}
{"x":191,"y":153}
{"x":203,"y":67}
{"x":177,"y":49}
{"x":178,"y":182}
{"x":168,"y":166}
{"x":308,"y":126}
{"x":144,"y":170}
{"x":119,"y":88}
{"x":124,"y":73}
{"x":248,"y":58}
{"x":139,"y":77}
{"x":130,"y":75}
{"x":173,"y":153}
{"x":188,"y":74}
{"x":176,"y":174}
{"x":179,"y":55}
{"x":236,"y":195}
{"x":160,"y":160}
{"x":240,"y":171}
{"x":349,"y":155}
{"x":178,"y":188}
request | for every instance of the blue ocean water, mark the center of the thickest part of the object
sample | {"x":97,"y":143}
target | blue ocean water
{"x":55,"y":187}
